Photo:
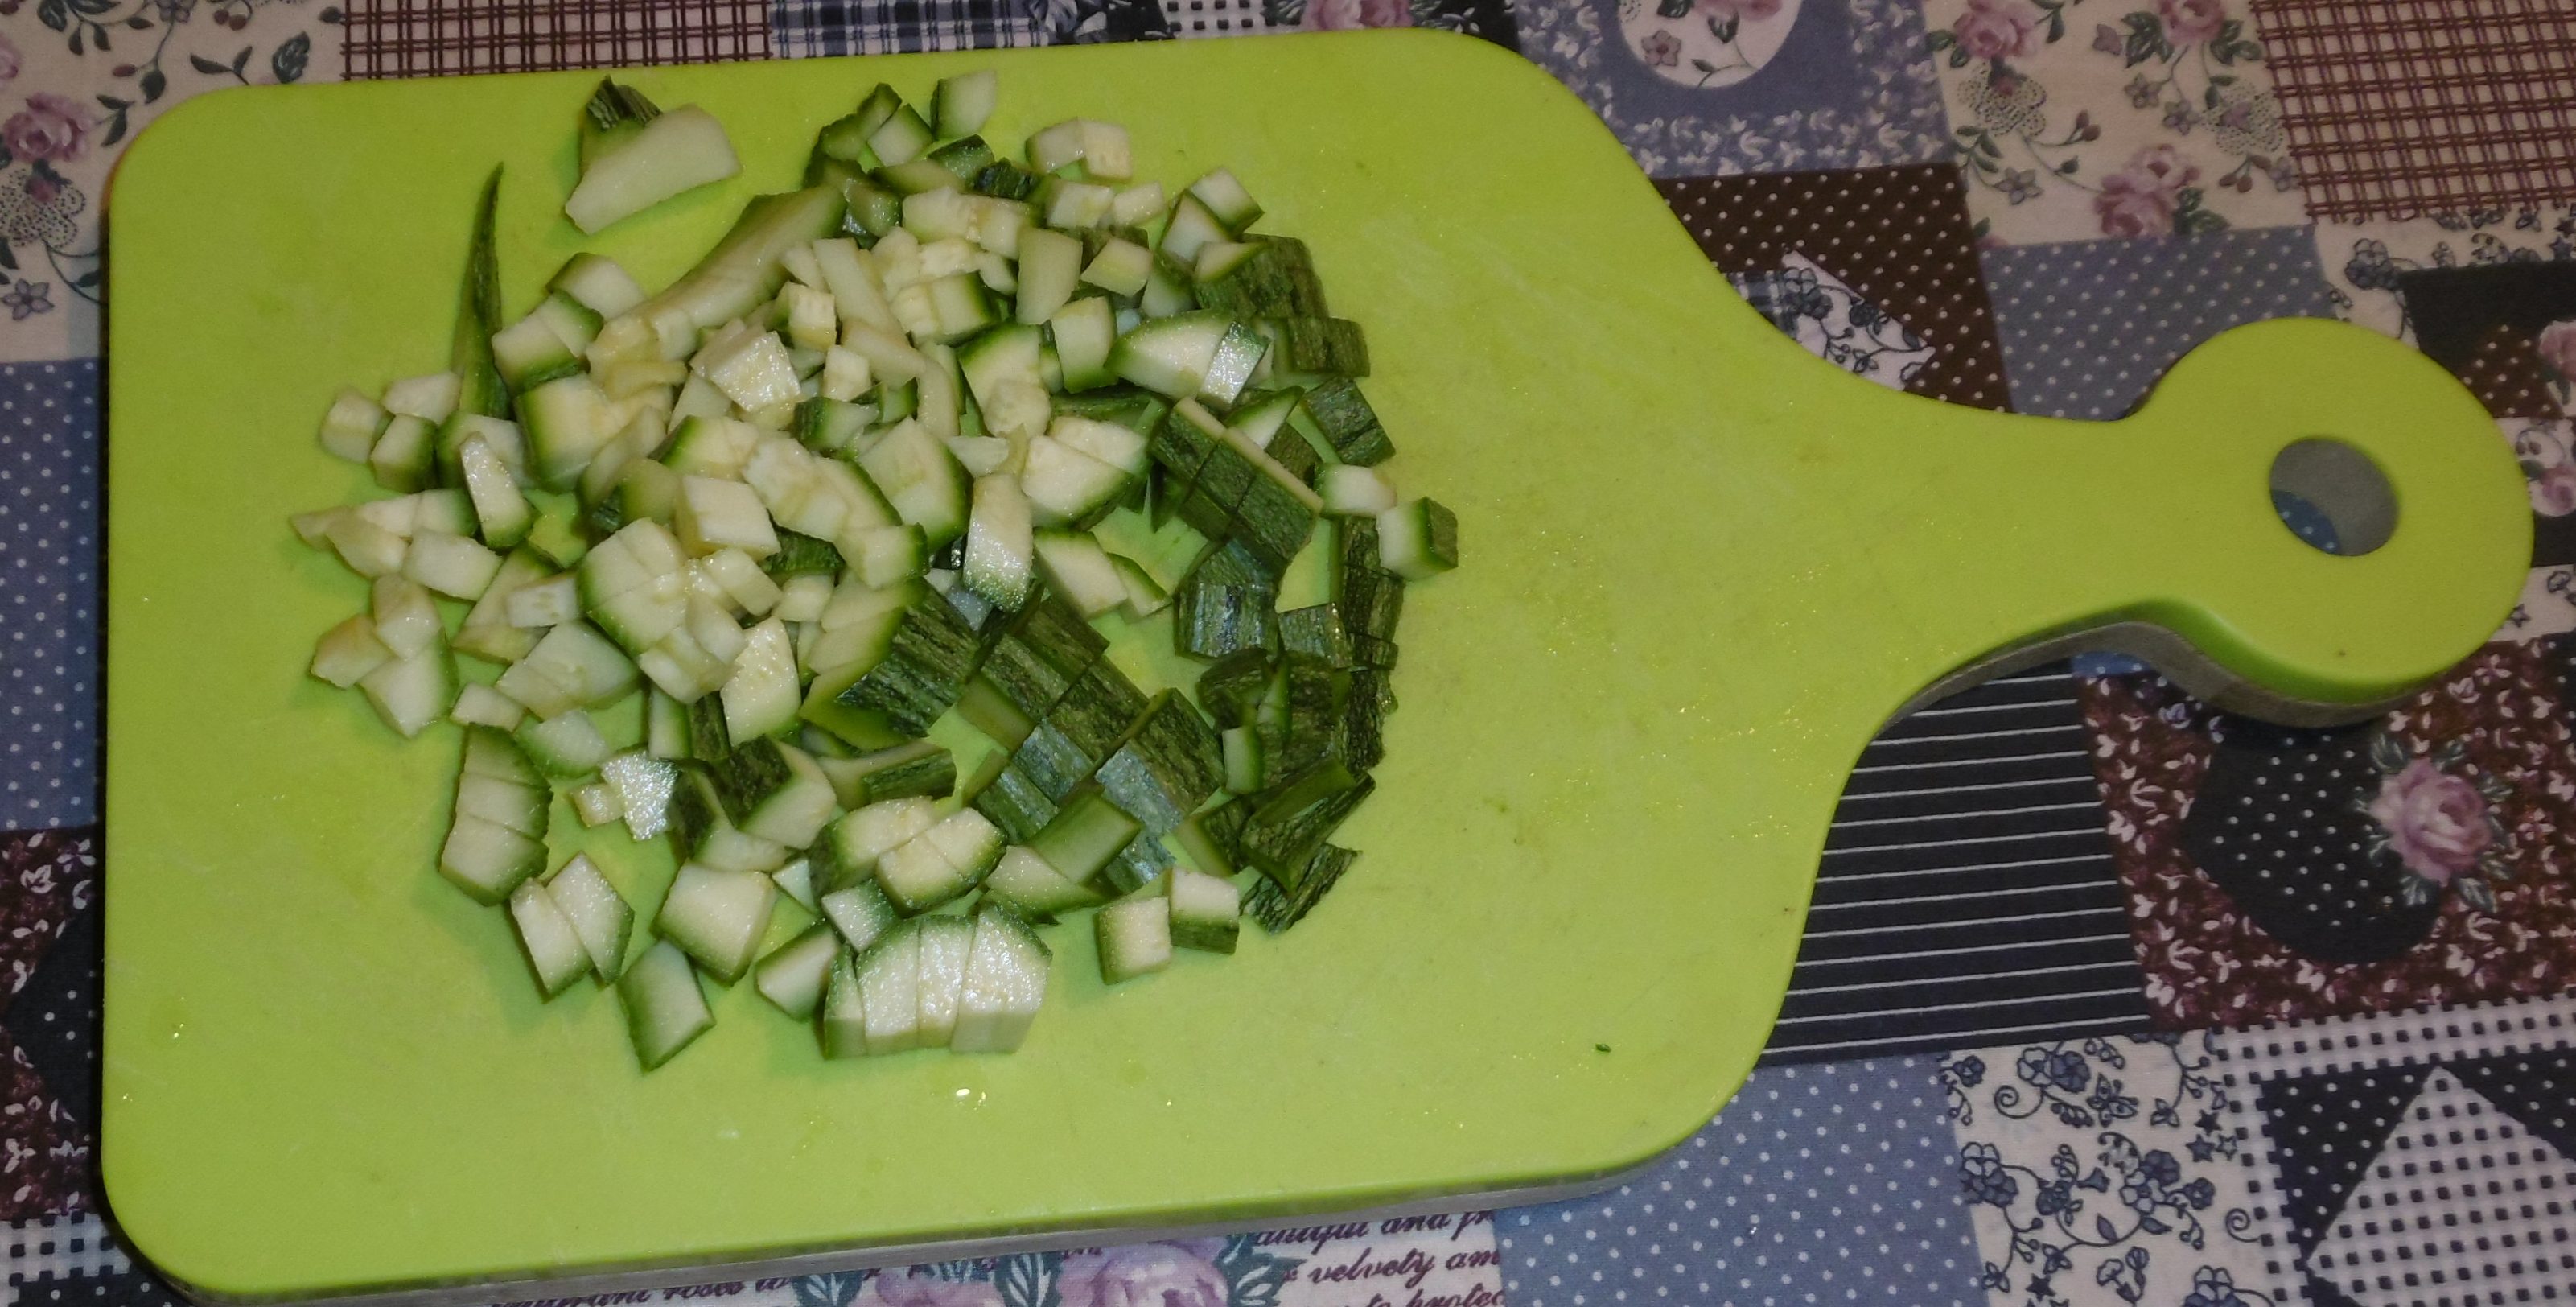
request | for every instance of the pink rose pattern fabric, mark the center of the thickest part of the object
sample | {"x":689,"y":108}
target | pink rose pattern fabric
{"x":2142,"y":198}
{"x":1999,"y":29}
{"x":2436,"y":822}
{"x":2207,"y":964}
{"x":50,"y":128}
{"x":1238,"y":1271}
{"x":2556,"y":345}
{"x":1345,"y":15}
{"x":2190,"y":22}
{"x":1144,"y":1275}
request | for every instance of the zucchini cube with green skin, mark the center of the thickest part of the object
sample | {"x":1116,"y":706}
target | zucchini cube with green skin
{"x":1053,"y":762}
{"x":1166,"y":766}
{"x":412,"y":693}
{"x":1216,"y":835}
{"x":715,"y":514}
{"x":1144,"y":861}
{"x":598,"y":913}
{"x":1006,"y":982}
{"x":1316,"y":632}
{"x":1316,"y":691}
{"x":1135,"y":937}
{"x":1180,"y":445}
{"x":859,"y":913}
{"x":488,"y":859}
{"x":1212,"y":621}
{"x":1319,"y":780}
{"x":1364,"y":713}
{"x":1269,"y":277}
{"x":1016,"y":806}
{"x":1277,"y":909}
{"x":924,"y":670}
{"x":1272,"y":522}
{"x":666,"y":1010}
{"x":1207,"y":911}
{"x":945,"y":944}
{"x":920,"y":769}
{"x":1315,"y":345}
{"x":1417,"y":540}
{"x":546,"y":938}
{"x":890,"y":991}
{"x":1350,"y":425}
{"x":841,"y":1025}
{"x":941,"y":863}
{"x":965,"y":158}
{"x":1204,"y":514}
{"x":1033,"y":889}
{"x":348,"y":652}
{"x":1199,"y":838}
{"x":1223,"y":198}
{"x":403,"y":456}
{"x":633,"y":585}
{"x":1099,"y":708}
{"x":852,"y":846}
{"x":1382,"y":604}
{"x":701,"y":833}
{"x":774,"y":792}
{"x":350,"y":427}
{"x":802,"y":555}
{"x":1294,"y":456}
{"x":1085,"y":836}
{"x":1230,"y":687}
{"x":1281,"y":849}
{"x":792,"y":977}
{"x":717,"y":917}
{"x":996,"y":718}
{"x":1225,"y":477}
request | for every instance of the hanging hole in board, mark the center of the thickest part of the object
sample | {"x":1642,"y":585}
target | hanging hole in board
{"x":2332,"y":496}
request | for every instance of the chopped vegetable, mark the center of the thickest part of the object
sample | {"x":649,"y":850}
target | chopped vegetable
{"x":883,"y":457}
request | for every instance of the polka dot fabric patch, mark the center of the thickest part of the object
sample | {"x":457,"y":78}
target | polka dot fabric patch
{"x":2508,"y":376}
{"x":1897,"y":236}
{"x":2087,"y":327}
{"x":1817,"y":1185}
{"x":49,"y":571}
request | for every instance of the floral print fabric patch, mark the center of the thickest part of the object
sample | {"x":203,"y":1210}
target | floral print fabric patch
{"x":1787,"y":85}
{"x":2103,"y":1171}
{"x":2446,"y":881}
{"x":2058,"y":146}
{"x":76,"y":84}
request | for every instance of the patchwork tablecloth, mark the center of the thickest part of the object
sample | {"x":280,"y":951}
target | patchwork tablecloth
{"x":2106,"y":997}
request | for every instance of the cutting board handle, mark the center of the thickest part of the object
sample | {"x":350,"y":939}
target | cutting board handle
{"x":2180,"y":557}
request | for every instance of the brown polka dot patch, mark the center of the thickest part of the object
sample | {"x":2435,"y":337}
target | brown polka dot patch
{"x":1896,"y":235}
{"x":2507,"y":375}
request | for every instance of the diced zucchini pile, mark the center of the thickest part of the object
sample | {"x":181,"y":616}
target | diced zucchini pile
{"x":846,"y":477}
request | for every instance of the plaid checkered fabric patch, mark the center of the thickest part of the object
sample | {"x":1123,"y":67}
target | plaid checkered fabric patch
{"x":1762,"y":291}
{"x":1190,"y":18}
{"x":2401,"y":107}
{"x":836,"y":27}
{"x":427,"y":38}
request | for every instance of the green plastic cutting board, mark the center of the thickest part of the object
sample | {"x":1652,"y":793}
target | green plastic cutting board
{"x":1702,"y":567}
